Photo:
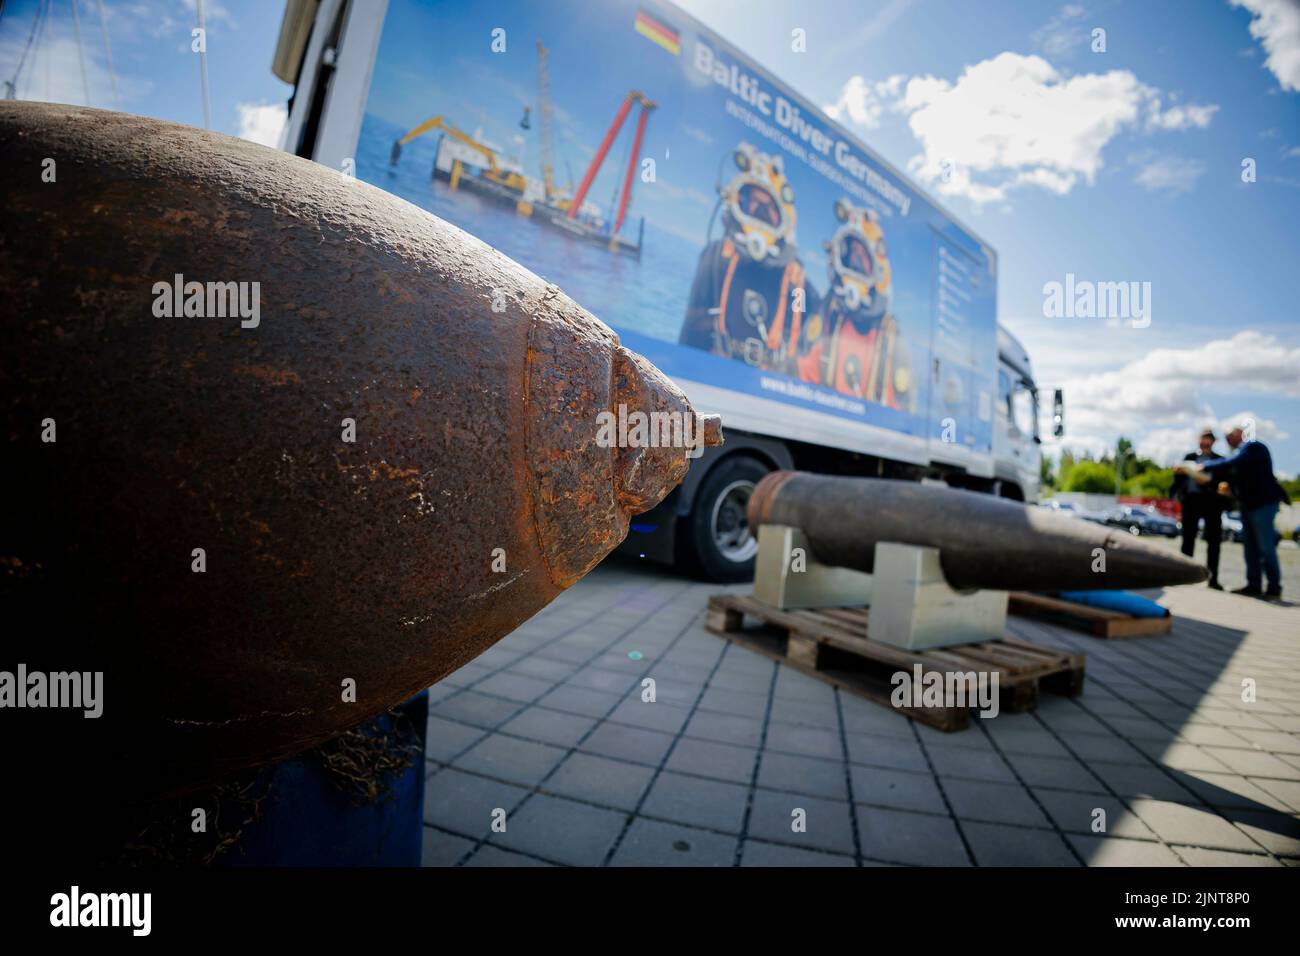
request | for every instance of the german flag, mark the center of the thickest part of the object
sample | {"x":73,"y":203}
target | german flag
{"x":659,"y":33}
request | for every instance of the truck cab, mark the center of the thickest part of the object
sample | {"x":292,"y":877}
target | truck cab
{"x":1016,"y":442}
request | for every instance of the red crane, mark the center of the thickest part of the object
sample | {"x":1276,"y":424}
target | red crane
{"x":599,"y":158}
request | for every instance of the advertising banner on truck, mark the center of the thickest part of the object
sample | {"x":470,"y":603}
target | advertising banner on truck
{"x":754,"y":250}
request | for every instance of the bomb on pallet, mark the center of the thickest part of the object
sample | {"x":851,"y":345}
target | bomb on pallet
{"x":983,"y":541}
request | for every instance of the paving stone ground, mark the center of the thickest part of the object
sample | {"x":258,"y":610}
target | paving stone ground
{"x":548,"y":731}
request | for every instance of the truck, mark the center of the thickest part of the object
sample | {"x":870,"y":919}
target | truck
{"x":782,"y":273}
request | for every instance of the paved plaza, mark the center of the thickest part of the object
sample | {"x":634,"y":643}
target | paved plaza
{"x":1159,"y":762}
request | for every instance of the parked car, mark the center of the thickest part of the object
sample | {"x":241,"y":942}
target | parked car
{"x":1096,"y":517}
{"x":1230,"y":522}
{"x":1142,"y":521}
{"x":1074,"y":511}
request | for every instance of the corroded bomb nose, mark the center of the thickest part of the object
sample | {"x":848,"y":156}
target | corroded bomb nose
{"x":608,"y":436}
{"x":405,"y":447}
{"x":663,"y":432}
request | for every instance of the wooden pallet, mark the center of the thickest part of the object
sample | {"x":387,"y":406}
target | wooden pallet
{"x":831,"y":645}
{"x":1082,"y":617}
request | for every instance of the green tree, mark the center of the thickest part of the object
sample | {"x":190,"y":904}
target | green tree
{"x":1063,"y":468}
{"x":1045,"y":476}
{"x":1125,"y":456}
{"x":1150,"y":483}
{"x":1092,"y":477}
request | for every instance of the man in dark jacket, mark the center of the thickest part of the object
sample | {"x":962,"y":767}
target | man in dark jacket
{"x":1202,"y":503}
{"x":1250,"y":471}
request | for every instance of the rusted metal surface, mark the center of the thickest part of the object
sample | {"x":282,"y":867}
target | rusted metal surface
{"x":983,"y":541}
{"x":374,"y":560}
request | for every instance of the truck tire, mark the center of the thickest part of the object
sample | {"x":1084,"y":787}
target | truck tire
{"x":716,"y":542}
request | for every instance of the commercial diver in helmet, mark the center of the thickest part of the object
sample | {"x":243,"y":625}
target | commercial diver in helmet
{"x":750,"y":298}
{"x":866,"y":355}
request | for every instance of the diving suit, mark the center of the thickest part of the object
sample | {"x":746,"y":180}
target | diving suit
{"x":750,"y":296}
{"x":863,"y":353}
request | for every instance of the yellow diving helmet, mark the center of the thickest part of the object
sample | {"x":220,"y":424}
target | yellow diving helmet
{"x":859,"y":264}
{"x":758,"y":205}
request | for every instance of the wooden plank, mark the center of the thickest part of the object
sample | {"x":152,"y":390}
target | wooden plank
{"x":1006,"y":657}
{"x":857,"y":617}
{"x":1139,"y":626}
{"x":1011,"y":668}
{"x":1048,"y":603}
{"x":936,"y":656}
{"x":843,"y":624}
{"x":1021,"y":642}
{"x":1031,"y":652}
{"x":1023,"y":661}
{"x":1099,"y":622}
{"x":1021,"y":697}
{"x":834,"y":624}
{"x":1069,"y":682}
{"x":872,"y":650}
{"x":804,"y":650}
{"x":723,"y":619}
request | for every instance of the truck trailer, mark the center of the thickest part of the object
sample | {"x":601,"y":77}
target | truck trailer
{"x":781,"y":272}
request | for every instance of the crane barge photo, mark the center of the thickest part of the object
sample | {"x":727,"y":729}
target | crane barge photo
{"x":464,"y":162}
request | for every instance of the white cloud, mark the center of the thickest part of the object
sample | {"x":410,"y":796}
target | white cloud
{"x":1173,"y":174}
{"x":1164,"y":381}
{"x":213,"y":12}
{"x":1179,"y":117}
{"x":1168,"y":445}
{"x":1276,"y":25}
{"x":1014,"y":121}
{"x":864,"y":103}
{"x":261,"y":122}
{"x":1158,"y":398}
{"x":1058,"y":183}
{"x":1265,"y":428}
{"x":146,"y":19}
{"x":1065,"y":31}
{"x":1059,"y":351}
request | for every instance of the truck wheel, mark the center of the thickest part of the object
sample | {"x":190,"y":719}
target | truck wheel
{"x":718,"y":542}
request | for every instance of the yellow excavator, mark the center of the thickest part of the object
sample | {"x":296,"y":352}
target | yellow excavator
{"x":494,"y":173}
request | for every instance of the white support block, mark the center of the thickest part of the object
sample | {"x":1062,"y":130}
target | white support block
{"x":787,"y":575}
{"x":914,"y":607}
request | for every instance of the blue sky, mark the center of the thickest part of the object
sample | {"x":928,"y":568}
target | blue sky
{"x":156,"y":72}
{"x":1123,"y":165}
